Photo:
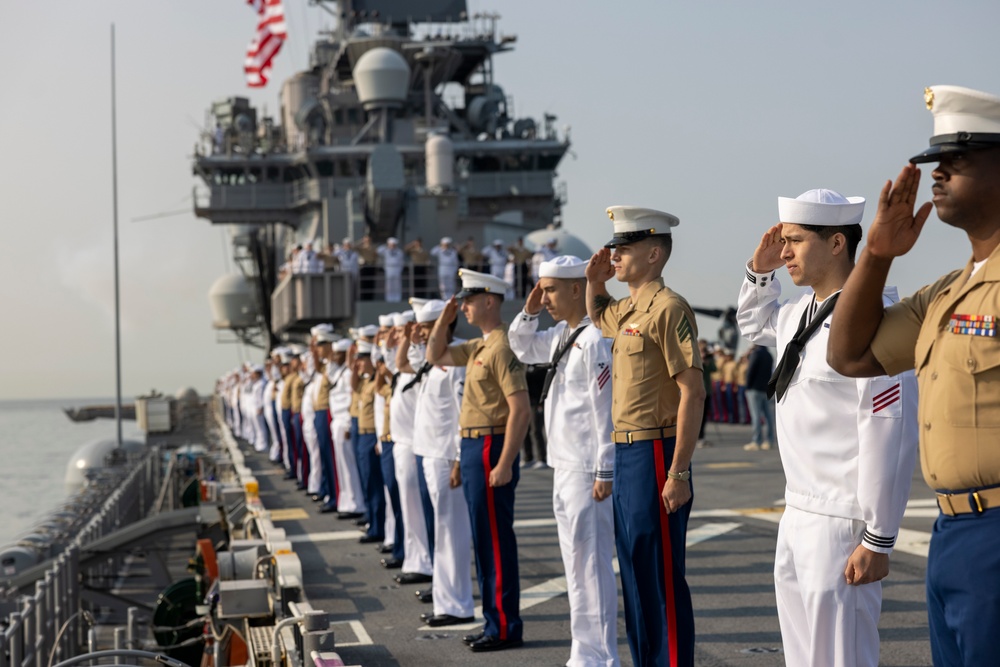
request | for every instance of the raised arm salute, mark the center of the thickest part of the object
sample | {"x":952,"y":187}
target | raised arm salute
{"x":947,"y":331}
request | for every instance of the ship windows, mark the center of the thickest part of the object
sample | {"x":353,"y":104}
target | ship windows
{"x":324,"y":168}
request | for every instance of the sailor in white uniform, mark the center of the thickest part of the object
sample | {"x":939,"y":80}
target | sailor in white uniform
{"x":393,"y":259}
{"x":447,"y":267}
{"x":256,"y":404}
{"x":848,"y":446}
{"x":496,"y":255}
{"x":416,"y":567}
{"x":312,"y":470}
{"x":436,"y":439}
{"x":578,"y":430}
{"x":273,"y":439}
{"x":350,"y":498}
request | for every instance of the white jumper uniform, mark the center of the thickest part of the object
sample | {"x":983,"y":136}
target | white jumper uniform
{"x":309,"y":435}
{"x":497,"y":258}
{"x":257,"y":404}
{"x":578,"y":428}
{"x":447,"y":270}
{"x":436,"y":437}
{"x":402,"y":414}
{"x":274,"y":454}
{"x":350,"y":498}
{"x":848,"y":447}
{"x":393,"y":260}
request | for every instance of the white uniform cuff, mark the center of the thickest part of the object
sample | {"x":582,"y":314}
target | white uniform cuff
{"x":526,"y":316}
{"x":878,"y":543}
{"x":759,"y":279}
{"x":605,"y":475}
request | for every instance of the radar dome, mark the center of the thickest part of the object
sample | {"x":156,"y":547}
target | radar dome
{"x":382,"y":78}
{"x":232,"y":302}
{"x":566,"y":243}
{"x":92,"y":455}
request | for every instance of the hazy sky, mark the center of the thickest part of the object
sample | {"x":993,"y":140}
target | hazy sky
{"x":709,"y":110}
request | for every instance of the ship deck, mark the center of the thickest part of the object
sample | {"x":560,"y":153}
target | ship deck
{"x":730,"y":556}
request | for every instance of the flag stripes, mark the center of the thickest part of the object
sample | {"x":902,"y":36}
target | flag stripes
{"x":271,"y":34}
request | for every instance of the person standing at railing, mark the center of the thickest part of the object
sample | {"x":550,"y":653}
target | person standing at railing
{"x":447,"y":267}
{"x":496,"y":256}
{"x":522,"y":260}
{"x":393,"y":259}
{"x":420,"y":259}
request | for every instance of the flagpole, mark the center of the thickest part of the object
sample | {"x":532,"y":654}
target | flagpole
{"x":114,"y":190}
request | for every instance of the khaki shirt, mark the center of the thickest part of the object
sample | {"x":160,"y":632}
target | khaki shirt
{"x":958,"y":374}
{"x":654,"y":340}
{"x":386,"y":393}
{"x":355,"y":402}
{"x":298,"y":390}
{"x":729,"y":371}
{"x":286,"y":392}
{"x":419,"y":256}
{"x":366,"y":405}
{"x":368,"y":255}
{"x":521,"y":254}
{"x":492,"y":373}
{"x":322,"y":401}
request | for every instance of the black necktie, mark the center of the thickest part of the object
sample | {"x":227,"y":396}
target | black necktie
{"x":550,"y":374}
{"x":420,"y":376}
{"x":778,"y":383}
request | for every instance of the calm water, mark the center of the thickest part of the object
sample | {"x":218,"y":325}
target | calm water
{"x":36,"y":442}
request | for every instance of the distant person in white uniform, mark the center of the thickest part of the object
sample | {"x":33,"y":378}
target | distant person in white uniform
{"x":848,"y":446}
{"x":496,"y":256}
{"x":447,"y":267}
{"x":260,"y":442}
{"x":393,"y":259}
{"x":577,"y":397}
{"x":350,"y":498}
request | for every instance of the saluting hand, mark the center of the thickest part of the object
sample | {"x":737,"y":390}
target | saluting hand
{"x":408,"y":332}
{"x":533,"y":305}
{"x":895,"y":228}
{"x":599,"y":268}
{"x":767,"y":256}
{"x":450,"y":312}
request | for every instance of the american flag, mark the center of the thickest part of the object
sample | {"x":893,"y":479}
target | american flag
{"x":271,"y":33}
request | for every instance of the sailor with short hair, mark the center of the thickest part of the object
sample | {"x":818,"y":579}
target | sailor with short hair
{"x":578,"y":432}
{"x":393,"y":260}
{"x":291,"y":370}
{"x":350,"y":498}
{"x":385,"y":446}
{"x":447,"y":266}
{"x":363,"y":383}
{"x":436,"y":441}
{"x":329,"y":482}
{"x":256,"y":403}
{"x":496,"y":256}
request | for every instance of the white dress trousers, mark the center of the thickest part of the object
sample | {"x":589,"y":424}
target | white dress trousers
{"x":417,"y":548}
{"x":824,"y":621}
{"x":452,"y":585}
{"x":310,"y":436}
{"x":349,"y":497}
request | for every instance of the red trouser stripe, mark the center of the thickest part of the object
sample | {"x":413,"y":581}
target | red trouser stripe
{"x":497,"y":565}
{"x":668,"y":555}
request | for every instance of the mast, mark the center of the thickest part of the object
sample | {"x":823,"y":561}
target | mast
{"x":114,"y":195}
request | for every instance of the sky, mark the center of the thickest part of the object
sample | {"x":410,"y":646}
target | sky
{"x":707,"y":109}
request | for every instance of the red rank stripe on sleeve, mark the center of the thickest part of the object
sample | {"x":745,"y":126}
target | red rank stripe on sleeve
{"x":886,"y":398}
{"x":603,"y":378}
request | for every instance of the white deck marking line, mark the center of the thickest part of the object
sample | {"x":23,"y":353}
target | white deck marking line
{"x":335,"y":535}
{"x":556,"y":586}
{"x":364,"y":639}
{"x":922,"y":502}
{"x":534,"y":523}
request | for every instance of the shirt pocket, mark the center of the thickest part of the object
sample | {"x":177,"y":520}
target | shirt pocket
{"x":971,"y":377}
{"x":630,"y":358}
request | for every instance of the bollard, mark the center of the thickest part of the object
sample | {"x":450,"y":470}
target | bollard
{"x":92,"y":640}
{"x":131,"y":639}
{"x":119,"y":643}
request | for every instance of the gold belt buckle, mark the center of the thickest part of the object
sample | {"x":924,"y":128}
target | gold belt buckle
{"x":979,"y":503}
{"x":628,"y":437}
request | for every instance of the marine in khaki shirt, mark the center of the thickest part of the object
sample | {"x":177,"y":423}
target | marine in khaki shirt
{"x":948,"y":332}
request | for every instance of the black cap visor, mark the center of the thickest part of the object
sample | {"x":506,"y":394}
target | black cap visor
{"x":961,"y":142}
{"x":631,"y":237}
{"x":473,"y":291}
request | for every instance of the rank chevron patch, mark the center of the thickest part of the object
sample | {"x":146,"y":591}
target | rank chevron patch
{"x":684,"y":330}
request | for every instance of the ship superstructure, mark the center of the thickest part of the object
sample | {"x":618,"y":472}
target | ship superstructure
{"x":398,"y":128}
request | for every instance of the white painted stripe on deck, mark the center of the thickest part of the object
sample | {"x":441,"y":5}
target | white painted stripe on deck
{"x":337,"y":535}
{"x":364,"y":639}
{"x":916,"y":542}
{"x":535,"y":523}
{"x":556,"y":586}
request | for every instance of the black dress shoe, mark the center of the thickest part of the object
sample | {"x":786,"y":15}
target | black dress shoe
{"x":343,"y":516}
{"x":425,"y":596}
{"x":315,"y":497}
{"x":445,"y":619}
{"x":413,"y":578}
{"x":327,"y":508}
{"x":494,"y":644}
{"x":384,"y":549}
{"x":289,"y":475}
{"x":469,"y":640}
{"x":370,"y":539}
{"x":361,"y":522}
{"x":392,"y":563}
{"x":300,"y":486}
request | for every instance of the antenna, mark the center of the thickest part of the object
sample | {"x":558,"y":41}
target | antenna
{"x":114,"y":196}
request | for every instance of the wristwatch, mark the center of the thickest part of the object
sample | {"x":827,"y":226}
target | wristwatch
{"x":683,"y":476}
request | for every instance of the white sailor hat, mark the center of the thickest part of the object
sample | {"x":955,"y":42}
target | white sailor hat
{"x":416,"y":302}
{"x":324,"y":336}
{"x":430,"y":311}
{"x":964,"y":120}
{"x":342,"y":345}
{"x":821,"y":207}
{"x":446,"y":240}
{"x":563,"y":266}
{"x":497,"y":242}
{"x":297,"y":350}
{"x":474,"y":282}
{"x":403,"y":318}
{"x":392,"y":239}
{"x":328,"y":328}
{"x":365,"y":348}
{"x":285,"y":356}
{"x":347,"y":239}
{"x":257,"y":368}
{"x":633,"y":223}
{"x":369,"y":331}
{"x":386,"y":320}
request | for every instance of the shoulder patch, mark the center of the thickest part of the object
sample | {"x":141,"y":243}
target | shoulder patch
{"x":684,"y":330}
{"x":514,"y":365}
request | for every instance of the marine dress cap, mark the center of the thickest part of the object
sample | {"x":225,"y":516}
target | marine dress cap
{"x":964,"y":120}
{"x":403,"y":318}
{"x":474,"y":282}
{"x":342,"y":345}
{"x":430,"y":311}
{"x":385,"y":320}
{"x":369,"y":331}
{"x":633,"y":223}
{"x":563,"y":266}
{"x":364,"y":347}
{"x":825,"y":208}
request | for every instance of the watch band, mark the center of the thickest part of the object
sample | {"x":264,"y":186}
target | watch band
{"x":683,"y":476}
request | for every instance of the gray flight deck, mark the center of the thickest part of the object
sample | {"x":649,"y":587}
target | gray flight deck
{"x":731,"y":546}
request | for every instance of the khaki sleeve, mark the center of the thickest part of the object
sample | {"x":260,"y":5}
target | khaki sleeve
{"x":386,"y":391}
{"x":894,"y":345}
{"x":323,"y":395}
{"x":509,"y":371}
{"x":460,"y":353}
{"x":609,"y":319}
{"x":678,"y":337}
